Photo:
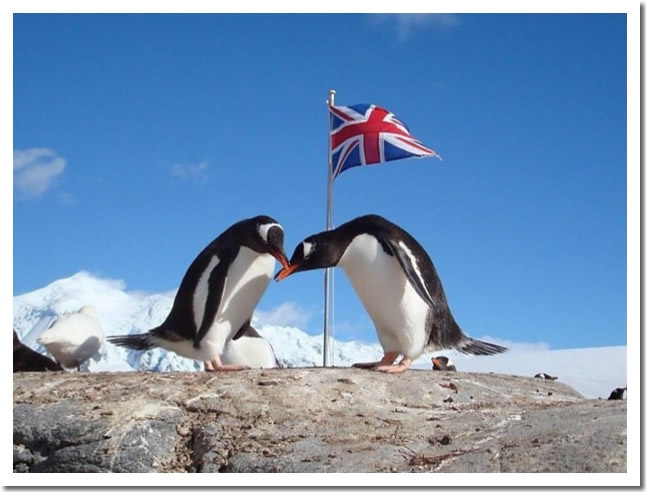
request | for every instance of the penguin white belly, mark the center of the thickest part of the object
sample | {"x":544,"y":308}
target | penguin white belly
{"x":250,"y":352}
{"x":397,"y":311}
{"x":247,"y":279}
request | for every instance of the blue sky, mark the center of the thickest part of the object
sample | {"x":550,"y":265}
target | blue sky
{"x":139,"y":138}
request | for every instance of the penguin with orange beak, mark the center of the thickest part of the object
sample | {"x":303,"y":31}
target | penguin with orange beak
{"x":396,"y":281}
{"x":218,"y":294}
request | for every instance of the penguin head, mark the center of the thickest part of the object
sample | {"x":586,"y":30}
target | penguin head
{"x":267,"y":236}
{"x":312,"y":253}
{"x":442,"y":363}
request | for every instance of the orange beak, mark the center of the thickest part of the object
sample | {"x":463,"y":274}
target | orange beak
{"x":285,"y":272}
{"x":281,"y":258}
{"x":436,"y":362}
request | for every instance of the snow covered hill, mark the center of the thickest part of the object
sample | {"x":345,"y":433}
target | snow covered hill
{"x":122,"y":312}
{"x":594,"y":372}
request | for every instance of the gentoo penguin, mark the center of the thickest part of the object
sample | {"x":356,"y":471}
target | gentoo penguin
{"x":249,"y":350}
{"x":75,"y":338}
{"x":397,"y":284}
{"x":218,"y":293}
{"x":543,"y":375}
{"x":618,"y":394}
{"x":442,"y":363}
{"x":26,"y":359}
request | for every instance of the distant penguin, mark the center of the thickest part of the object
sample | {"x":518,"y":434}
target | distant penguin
{"x":442,"y":363}
{"x":218,"y":293}
{"x":397,"y":284}
{"x":28,"y":360}
{"x":618,"y":393}
{"x":543,"y":375}
{"x":249,"y":350}
{"x":75,"y":338}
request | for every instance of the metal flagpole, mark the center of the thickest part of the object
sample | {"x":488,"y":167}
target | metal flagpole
{"x":330,"y":180}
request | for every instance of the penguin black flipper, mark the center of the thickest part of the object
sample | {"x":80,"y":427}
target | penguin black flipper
{"x":217,"y":280}
{"x":243,"y":329}
{"x":410,"y":268}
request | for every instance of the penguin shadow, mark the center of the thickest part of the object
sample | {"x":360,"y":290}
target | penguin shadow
{"x":90,"y":346}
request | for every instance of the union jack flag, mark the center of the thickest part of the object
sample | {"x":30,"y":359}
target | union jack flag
{"x":367,"y":134}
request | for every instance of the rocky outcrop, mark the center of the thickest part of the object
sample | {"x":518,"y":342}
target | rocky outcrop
{"x":311,"y":420}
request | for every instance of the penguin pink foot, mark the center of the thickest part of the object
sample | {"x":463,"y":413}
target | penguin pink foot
{"x":386,"y":360}
{"x":403,"y":366}
{"x":216,"y":365}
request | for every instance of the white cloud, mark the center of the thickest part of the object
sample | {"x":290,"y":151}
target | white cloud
{"x":67,"y":198}
{"x":35,"y":170}
{"x":579,"y":368}
{"x":190,"y":172}
{"x":286,"y":314}
{"x":517,"y":346}
{"x":360,"y":330}
{"x":405,"y":24}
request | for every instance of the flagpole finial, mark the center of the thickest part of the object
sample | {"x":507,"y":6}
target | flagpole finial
{"x":330,"y":100}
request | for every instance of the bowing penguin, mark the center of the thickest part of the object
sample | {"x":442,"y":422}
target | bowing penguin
{"x":397,"y":283}
{"x":218,"y":294}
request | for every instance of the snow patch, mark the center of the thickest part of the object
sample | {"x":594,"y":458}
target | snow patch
{"x":594,"y":372}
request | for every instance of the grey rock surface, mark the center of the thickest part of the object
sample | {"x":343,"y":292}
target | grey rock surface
{"x":311,"y":420}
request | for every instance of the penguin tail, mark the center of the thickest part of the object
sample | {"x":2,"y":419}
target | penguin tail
{"x":478,"y":347}
{"x":134,"y":342}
